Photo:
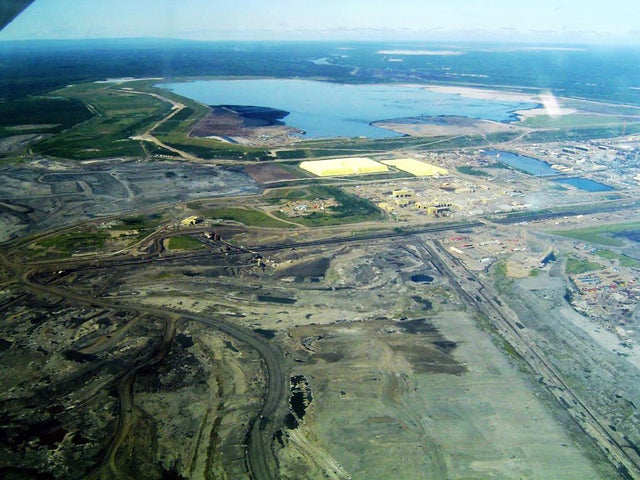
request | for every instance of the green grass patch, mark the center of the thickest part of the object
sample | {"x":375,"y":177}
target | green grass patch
{"x":311,"y":153}
{"x":500,"y":278}
{"x":117,"y":115}
{"x":510,"y":350}
{"x":211,"y":149}
{"x":350,"y":146}
{"x":582,"y":134}
{"x":45,"y":114}
{"x":153,"y":149}
{"x":184,"y":242}
{"x":73,"y":242}
{"x":248,"y":217}
{"x":139,"y":222}
{"x":603,"y":235}
{"x":467,"y":170}
{"x":181,"y":123}
{"x":499,"y":165}
{"x":306,"y":193}
{"x":574,"y":121}
{"x":576,"y":266}
{"x":89,"y":147}
{"x":623,"y":260}
{"x":352,"y":209}
{"x":143,"y":224}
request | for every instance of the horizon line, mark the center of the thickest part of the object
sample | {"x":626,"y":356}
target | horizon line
{"x":544,"y":42}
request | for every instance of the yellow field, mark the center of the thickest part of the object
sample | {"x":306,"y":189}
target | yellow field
{"x":340,"y":167}
{"x":416,"y":167}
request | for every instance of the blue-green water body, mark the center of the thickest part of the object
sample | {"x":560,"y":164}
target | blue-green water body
{"x":541,"y":169}
{"x":585,"y":184}
{"x":324,"y":109}
{"x":526,"y":164}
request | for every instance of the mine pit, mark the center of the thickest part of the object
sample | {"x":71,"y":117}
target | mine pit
{"x":420,"y":278}
{"x":301,"y":396}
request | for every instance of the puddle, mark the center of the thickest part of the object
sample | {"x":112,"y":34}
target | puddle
{"x":421,"y":278}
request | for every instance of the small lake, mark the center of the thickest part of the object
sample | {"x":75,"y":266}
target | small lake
{"x":419,"y":278}
{"x":585,"y":184}
{"x":325,"y":109}
{"x":541,"y":169}
{"x":526,"y":164}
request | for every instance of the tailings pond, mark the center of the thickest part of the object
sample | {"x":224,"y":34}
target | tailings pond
{"x":526,"y":164}
{"x":539,"y":168}
{"x":585,"y":184}
{"x":326,"y":110}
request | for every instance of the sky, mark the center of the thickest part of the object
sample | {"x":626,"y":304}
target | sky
{"x":549,"y":21}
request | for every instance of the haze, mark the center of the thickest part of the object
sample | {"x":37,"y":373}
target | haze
{"x":541,"y":21}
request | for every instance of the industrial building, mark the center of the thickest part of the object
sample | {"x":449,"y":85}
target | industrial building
{"x":402,"y":193}
{"x":435,"y":208}
{"x":192,"y":220}
{"x":340,"y":167}
{"x":416,"y":167}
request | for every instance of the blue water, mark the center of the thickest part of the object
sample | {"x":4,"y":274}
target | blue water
{"x":324,"y":109}
{"x":527,"y":164}
{"x":541,"y":169}
{"x":585,"y":184}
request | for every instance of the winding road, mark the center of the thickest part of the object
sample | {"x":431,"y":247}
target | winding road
{"x":261,"y":461}
{"x":260,"y":458}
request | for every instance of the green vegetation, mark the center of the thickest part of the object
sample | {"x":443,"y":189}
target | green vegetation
{"x":119,"y":114}
{"x":310,"y":192}
{"x":499,"y":165}
{"x":350,"y":146}
{"x":94,"y":120}
{"x":292,"y":154}
{"x":152,"y":149}
{"x":341,"y":146}
{"x":510,"y":350}
{"x":351,"y":208}
{"x":211,"y":149}
{"x":606,"y":108}
{"x":249,"y":217}
{"x":575,"y":121}
{"x":66,"y":244}
{"x":184,"y":242}
{"x":143,"y":224}
{"x":41,"y":115}
{"x":603,"y":235}
{"x":91,"y":241}
{"x":175,"y":122}
{"x":623,"y":260}
{"x":467,"y":170}
{"x":139,"y":222}
{"x":371,"y":176}
{"x":311,"y":153}
{"x":580,"y":133}
{"x":576,"y":266}
{"x":116,"y":112}
{"x":603,"y":206}
{"x":175,"y":132}
{"x":500,"y":278}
